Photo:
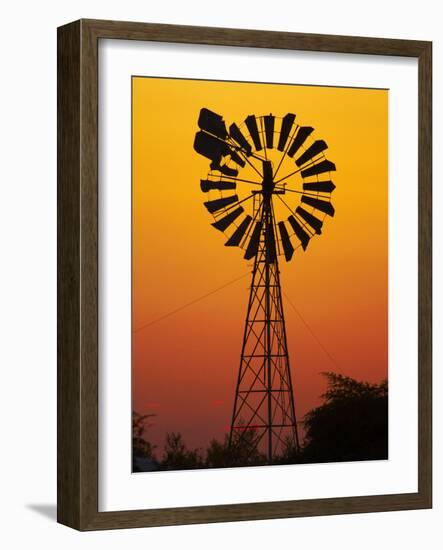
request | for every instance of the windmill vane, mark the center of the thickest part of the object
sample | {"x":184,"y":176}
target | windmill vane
{"x":264,"y":409}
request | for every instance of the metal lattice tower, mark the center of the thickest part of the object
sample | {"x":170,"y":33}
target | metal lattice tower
{"x":264,"y":398}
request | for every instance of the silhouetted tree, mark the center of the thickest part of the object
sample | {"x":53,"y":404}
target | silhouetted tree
{"x":290,"y":453}
{"x":352,"y":423}
{"x":241,"y":452}
{"x":243,"y":448}
{"x":176,"y":456}
{"x":218,"y":454}
{"x":141,"y":448}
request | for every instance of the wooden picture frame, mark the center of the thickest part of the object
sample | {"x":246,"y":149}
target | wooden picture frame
{"x":78,"y":274}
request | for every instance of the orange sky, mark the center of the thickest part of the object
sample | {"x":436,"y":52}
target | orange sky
{"x":185,"y":365}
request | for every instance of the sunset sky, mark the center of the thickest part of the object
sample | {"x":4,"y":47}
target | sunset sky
{"x":186,"y":359}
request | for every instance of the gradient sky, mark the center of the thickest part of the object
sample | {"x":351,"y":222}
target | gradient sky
{"x":185,"y":364}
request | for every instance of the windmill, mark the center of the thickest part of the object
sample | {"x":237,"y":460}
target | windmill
{"x":253,"y":204}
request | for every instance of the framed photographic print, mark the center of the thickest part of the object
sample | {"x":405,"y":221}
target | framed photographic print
{"x":244,"y":274}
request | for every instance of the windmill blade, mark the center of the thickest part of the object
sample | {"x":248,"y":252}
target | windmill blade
{"x":252,"y":248}
{"x":269,"y":130}
{"x":218,"y":204}
{"x":238,"y":234}
{"x":223,"y":223}
{"x":302,"y":235}
{"x":270,"y":243}
{"x":251,"y":123}
{"x":237,"y":158}
{"x":323,"y":206}
{"x":315,"y":149}
{"x":213,"y":123}
{"x":286,"y":127}
{"x":300,"y":138}
{"x":320,"y":168}
{"x":220,"y":185}
{"x":210,"y":146}
{"x":321,"y":186}
{"x":237,"y":135}
{"x":286,"y":241}
{"x":314,"y":222}
{"x":214,"y":149}
{"x":224,"y":169}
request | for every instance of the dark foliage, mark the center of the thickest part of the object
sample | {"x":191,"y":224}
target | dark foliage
{"x":241,"y":452}
{"x":177,"y":457}
{"x":141,"y":448}
{"x":351,"y":424}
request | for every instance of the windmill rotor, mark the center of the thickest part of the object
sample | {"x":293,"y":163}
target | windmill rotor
{"x":265,"y":144}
